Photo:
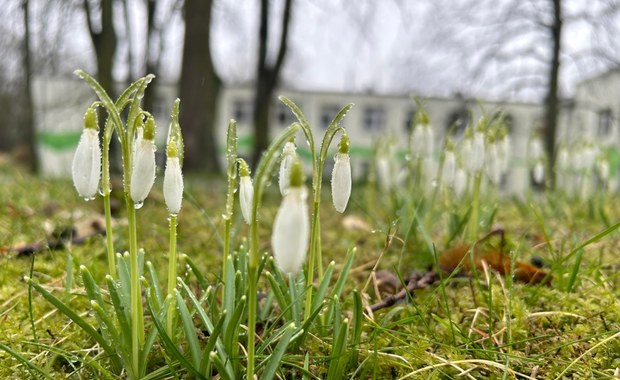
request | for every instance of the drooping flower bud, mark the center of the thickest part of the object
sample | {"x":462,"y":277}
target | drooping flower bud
{"x":143,"y":171}
{"x":478,"y":152}
{"x":246,"y":191}
{"x":341,"y":175}
{"x":460,"y":182}
{"x":86,"y":168}
{"x":289,"y":155}
{"x":449,"y":168}
{"x":173,"y":179}
{"x":539,"y":172}
{"x":291,"y":228}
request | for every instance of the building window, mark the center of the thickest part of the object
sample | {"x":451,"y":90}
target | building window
{"x":373,"y":119}
{"x":409,"y":119}
{"x":457,"y":122}
{"x":284,"y":116}
{"x":242,"y":111}
{"x":604,"y":122}
{"x":328,"y":113}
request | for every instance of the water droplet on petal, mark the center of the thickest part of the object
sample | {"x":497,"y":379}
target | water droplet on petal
{"x":89,"y":198}
{"x":138,"y":205}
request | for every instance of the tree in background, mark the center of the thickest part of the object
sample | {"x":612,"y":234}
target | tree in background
{"x":199,"y":89}
{"x":515,"y":49}
{"x":267,"y":75}
{"x":104,"y":39}
{"x":27,"y":135}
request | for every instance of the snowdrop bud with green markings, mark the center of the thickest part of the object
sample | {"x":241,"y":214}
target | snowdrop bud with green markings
{"x":341,"y":175}
{"x":246,"y":191}
{"x":86,"y":168}
{"x":291,"y":228}
{"x":173,"y":180}
{"x":143,"y":171}
{"x":289,"y":154}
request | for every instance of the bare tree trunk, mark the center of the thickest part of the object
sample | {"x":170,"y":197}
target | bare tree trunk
{"x":267,"y":77}
{"x":552,"y":101}
{"x":150,"y":65}
{"x":104,"y":41}
{"x":28,"y":129}
{"x":199,"y":89}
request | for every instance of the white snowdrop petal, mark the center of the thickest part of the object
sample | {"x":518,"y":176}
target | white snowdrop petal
{"x":288,"y":156}
{"x":429,"y":141}
{"x":173,"y":185}
{"x":291,"y":231}
{"x":417,"y":140}
{"x":478,"y":152}
{"x":341,"y":182}
{"x":246,"y":195}
{"x":449,"y":169}
{"x":86,"y":168}
{"x":460,"y":182}
{"x":539,"y":172}
{"x":384,"y":173}
{"x":143,"y":172}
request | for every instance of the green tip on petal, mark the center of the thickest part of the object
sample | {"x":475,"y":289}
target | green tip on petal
{"x":297,"y":175}
{"x":149,"y":129}
{"x":244,"y":169}
{"x":90,"y":119}
{"x":343,"y":147}
{"x":172,"y":150}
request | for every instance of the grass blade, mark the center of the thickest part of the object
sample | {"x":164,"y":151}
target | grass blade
{"x":274,"y":360}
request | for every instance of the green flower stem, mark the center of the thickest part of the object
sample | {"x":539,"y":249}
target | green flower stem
{"x":172,"y":274}
{"x":136,"y":305}
{"x":105,"y":180}
{"x":231,"y":171}
{"x":475,"y":211}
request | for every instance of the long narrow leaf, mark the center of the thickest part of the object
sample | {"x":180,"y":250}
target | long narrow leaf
{"x":344,"y":275}
{"x":275,"y":359}
{"x":190,"y":332}
{"x":167,"y":342}
{"x":320,"y":293}
{"x":29,"y":365}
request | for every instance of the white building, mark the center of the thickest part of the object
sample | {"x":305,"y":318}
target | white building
{"x":60,"y":105}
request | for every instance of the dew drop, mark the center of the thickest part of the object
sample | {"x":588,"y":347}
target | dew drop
{"x":138,"y":205}
{"x":434,"y":183}
{"x":89,"y":198}
{"x":173,"y":214}
{"x":100,"y":191}
{"x":235,"y":190}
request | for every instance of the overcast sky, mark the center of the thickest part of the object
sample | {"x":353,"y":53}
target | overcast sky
{"x":386,"y":46}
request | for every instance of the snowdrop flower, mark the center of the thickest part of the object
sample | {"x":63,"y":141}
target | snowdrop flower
{"x":536,"y":150}
{"x":429,"y":140}
{"x":288,"y":156}
{"x":86,"y":168}
{"x":476,"y":161}
{"x":143,"y":171}
{"x":449,"y":168}
{"x":460,"y":182}
{"x":603,"y":170}
{"x":246,"y":191}
{"x":503,"y":151}
{"x":494,"y":164}
{"x":173,"y":179}
{"x":291,"y":228}
{"x":341,"y":176}
{"x":417,"y":140}
{"x":539,"y":172}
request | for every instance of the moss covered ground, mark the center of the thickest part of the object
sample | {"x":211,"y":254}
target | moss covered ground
{"x":483,"y":327}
